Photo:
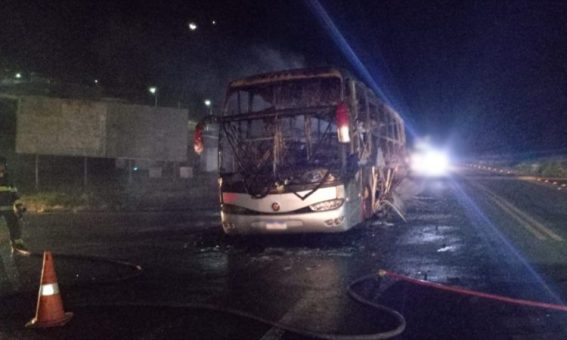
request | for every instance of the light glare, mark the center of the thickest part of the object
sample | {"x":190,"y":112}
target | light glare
{"x":430,"y":163}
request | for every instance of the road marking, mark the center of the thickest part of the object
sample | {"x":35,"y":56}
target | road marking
{"x":543,"y":182}
{"x":317,"y":306}
{"x":529,"y":219}
{"x":520,"y":220}
{"x":530,"y":223}
{"x":273,"y":334}
{"x":276,"y":333}
{"x":538,"y":225}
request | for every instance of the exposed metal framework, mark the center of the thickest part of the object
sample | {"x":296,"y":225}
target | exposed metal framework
{"x":278,"y":136}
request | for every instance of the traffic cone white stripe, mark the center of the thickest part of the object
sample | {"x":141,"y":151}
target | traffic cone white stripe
{"x":49,"y":289}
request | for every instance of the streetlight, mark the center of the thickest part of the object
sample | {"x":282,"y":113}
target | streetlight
{"x":192,"y":26}
{"x":208,"y":103}
{"x":154,"y":91}
{"x":18,"y":75}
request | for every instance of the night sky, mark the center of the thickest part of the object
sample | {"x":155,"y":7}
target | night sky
{"x":482,"y":76}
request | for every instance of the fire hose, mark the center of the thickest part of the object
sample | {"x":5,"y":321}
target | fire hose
{"x":401,"y":323}
{"x":399,"y":319}
{"x":137,"y":271}
{"x":473,"y":293}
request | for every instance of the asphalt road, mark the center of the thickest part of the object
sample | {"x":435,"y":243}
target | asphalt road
{"x":494,"y":234}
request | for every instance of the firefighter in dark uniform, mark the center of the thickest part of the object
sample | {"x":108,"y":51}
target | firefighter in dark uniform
{"x":11,"y":209}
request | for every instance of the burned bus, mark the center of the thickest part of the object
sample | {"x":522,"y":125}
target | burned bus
{"x":305,"y":150}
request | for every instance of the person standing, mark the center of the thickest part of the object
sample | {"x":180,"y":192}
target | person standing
{"x":11,"y":210}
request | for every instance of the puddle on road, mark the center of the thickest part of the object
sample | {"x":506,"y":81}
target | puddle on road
{"x":428,"y":234}
{"x":341,"y":252}
{"x":420,"y":217}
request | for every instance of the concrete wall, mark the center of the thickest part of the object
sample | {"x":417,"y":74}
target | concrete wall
{"x":52,"y":126}
{"x":64,"y":127}
{"x":143,"y":132}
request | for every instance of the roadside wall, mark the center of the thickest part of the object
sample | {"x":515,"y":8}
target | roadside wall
{"x":66,"y":127}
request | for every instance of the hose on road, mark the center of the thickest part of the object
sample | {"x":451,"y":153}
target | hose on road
{"x":296,"y":330}
{"x":137,"y":271}
{"x":468,"y":292}
{"x":397,"y":317}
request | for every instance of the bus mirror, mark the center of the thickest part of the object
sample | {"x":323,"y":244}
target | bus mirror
{"x":198,"y":144}
{"x":342,"y":121}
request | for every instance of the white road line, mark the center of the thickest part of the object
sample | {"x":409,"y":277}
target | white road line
{"x":536,"y":233}
{"x":532,"y":221}
{"x":529,"y":222}
{"x":275,"y":333}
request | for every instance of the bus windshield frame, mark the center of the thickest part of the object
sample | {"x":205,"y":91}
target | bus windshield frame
{"x":288,"y":143}
{"x":283,"y":95}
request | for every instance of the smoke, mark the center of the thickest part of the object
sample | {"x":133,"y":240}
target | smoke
{"x":267,"y":59}
{"x":230,"y":63}
{"x":247,"y":61}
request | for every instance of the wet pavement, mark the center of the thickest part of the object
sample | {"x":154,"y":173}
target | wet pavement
{"x":493,"y":234}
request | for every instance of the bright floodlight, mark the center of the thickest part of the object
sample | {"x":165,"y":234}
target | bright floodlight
{"x":18,"y":75}
{"x":152,"y":89}
{"x":207,"y":102}
{"x":192,"y":26}
{"x":430,"y":162}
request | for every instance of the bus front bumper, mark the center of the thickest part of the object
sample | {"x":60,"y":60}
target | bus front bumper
{"x":331,"y":221}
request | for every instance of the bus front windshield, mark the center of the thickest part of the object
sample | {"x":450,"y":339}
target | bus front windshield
{"x":295,"y":149}
{"x":281,"y":132}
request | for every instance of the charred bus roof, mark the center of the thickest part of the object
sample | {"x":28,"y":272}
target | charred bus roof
{"x":299,"y":74}
{"x":286,"y":75}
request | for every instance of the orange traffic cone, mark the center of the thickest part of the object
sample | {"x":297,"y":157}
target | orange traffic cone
{"x":49,"y":311}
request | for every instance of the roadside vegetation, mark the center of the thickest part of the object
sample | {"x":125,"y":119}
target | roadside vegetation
{"x":66,"y":199}
{"x":159,"y":195}
{"x":552,"y":167}
{"x":555,"y":167}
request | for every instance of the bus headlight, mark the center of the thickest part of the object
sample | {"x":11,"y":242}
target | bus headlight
{"x":327,"y":205}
